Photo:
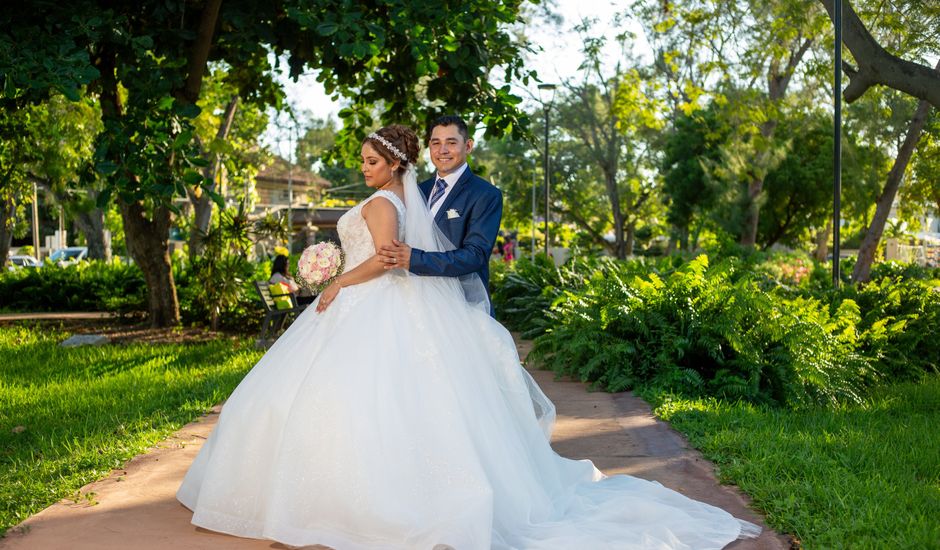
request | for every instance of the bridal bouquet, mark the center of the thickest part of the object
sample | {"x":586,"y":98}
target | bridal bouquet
{"x":318,"y":265}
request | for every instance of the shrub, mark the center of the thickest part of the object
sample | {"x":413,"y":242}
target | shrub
{"x":86,"y":286}
{"x":705,"y":330}
{"x":120,"y":288}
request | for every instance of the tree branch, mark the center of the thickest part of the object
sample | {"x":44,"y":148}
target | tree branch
{"x":877,"y":66}
{"x":199,"y":55}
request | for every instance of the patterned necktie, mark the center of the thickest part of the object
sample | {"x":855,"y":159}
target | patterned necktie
{"x":439,"y":188}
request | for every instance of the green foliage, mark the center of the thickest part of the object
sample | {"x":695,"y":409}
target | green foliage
{"x":602,"y":173}
{"x":524,"y":294}
{"x":86,"y":286}
{"x":120,"y":288}
{"x":692,"y":141}
{"x":858,"y":476}
{"x":758,"y":329}
{"x":900,"y":320}
{"x":223,"y":268}
{"x":701,"y":331}
{"x":145,"y":68}
{"x":68,"y":416}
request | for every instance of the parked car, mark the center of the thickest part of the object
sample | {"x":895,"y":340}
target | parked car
{"x":68,"y":256}
{"x":19,"y":261}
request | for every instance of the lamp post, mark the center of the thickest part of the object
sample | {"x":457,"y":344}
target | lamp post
{"x":837,"y":144}
{"x":290,"y":192}
{"x":535,"y":181}
{"x":35,"y":209}
{"x":547,"y":96}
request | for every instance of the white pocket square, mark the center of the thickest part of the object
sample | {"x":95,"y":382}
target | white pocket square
{"x":452,"y":213}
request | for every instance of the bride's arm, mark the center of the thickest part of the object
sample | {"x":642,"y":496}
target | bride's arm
{"x":382,"y":220}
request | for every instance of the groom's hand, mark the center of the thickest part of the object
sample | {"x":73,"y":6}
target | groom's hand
{"x":397,"y":255}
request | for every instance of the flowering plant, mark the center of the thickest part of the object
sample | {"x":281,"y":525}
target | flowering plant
{"x":318,"y":265}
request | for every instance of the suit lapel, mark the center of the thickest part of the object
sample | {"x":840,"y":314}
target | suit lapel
{"x":459,"y":187}
{"x":425,"y":188}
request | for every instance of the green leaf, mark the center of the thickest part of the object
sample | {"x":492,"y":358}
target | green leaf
{"x":216,"y":197}
{"x":191,"y":177}
{"x":327,"y":28}
{"x":198,"y":161}
{"x":106,"y":168}
{"x":183,"y":139}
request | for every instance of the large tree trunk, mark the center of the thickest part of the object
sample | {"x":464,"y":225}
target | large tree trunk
{"x":7,"y":211}
{"x":147,"y":238}
{"x":755,"y":188}
{"x":202,"y":203}
{"x":778,"y":78}
{"x":613,"y":194}
{"x":148,"y":242}
{"x":822,"y":242}
{"x":91,"y":224}
{"x":877,"y":66}
{"x":866,"y":253}
{"x":629,"y":239}
{"x":683,"y":237}
{"x":148,"y":235}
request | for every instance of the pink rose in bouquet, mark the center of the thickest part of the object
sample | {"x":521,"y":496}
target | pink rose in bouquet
{"x":318,"y":265}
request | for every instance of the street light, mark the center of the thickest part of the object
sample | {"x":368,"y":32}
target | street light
{"x":837,"y":144}
{"x":547,"y":96}
{"x":535,"y":181}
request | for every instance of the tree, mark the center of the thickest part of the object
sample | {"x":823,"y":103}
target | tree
{"x":876,"y":65}
{"x":606,"y":117}
{"x":145,"y":63}
{"x":511,"y":165}
{"x":63,"y":136}
{"x":227,"y":132}
{"x":15,"y":152}
{"x":866,"y":253}
{"x":922,"y":193}
{"x":751,"y":50}
{"x":914,"y":32}
{"x":793,"y":30}
{"x":799,"y":189}
{"x":688,"y":147}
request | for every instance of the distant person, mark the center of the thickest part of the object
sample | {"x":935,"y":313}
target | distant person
{"x":281,"y":274}
{"x":509,"y":249}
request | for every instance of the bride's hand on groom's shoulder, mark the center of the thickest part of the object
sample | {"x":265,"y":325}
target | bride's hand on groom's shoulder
{"x":327,"y":297}
{"x":396,"y":255}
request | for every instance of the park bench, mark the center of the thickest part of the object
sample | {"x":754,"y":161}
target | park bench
{"x":274,"y":319}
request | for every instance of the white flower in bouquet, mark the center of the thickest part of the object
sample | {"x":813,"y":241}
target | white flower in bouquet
{"x":319,"y":264}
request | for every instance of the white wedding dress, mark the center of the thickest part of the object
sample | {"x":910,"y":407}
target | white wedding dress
{"x":401,"y":418}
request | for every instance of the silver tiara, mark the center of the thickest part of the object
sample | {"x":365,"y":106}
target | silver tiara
{"x":388,"y":145}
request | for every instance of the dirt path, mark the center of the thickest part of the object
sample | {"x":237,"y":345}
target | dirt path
{"x":135,"y":507}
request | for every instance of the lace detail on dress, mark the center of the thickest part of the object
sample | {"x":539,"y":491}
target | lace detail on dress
{"x":354,"y":234}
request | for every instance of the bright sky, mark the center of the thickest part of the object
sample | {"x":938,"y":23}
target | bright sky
{"x":558,"y":61}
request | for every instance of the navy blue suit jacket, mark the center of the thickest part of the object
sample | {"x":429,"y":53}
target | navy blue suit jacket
{"x":476,"y":208}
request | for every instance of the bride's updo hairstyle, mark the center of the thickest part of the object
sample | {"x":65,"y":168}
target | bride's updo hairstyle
{"x":402,"y":138}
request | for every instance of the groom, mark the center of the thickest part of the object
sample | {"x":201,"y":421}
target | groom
{"x":466,"y":208}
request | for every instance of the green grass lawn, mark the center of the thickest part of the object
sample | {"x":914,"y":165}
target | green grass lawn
{"x":852,"y":477}
{"x":69,"y":416}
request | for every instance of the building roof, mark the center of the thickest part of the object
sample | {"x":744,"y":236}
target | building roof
{"x":279,"y":172}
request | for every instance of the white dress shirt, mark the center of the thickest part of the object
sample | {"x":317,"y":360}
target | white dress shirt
{"x":450,"y":180}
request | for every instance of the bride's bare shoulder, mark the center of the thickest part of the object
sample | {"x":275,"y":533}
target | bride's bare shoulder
{"x":379,"y":203}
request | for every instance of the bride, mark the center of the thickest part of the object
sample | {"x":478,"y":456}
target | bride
{"x":396,"y":415}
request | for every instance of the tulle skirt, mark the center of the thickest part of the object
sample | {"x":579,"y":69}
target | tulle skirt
{"x":401,"y":418}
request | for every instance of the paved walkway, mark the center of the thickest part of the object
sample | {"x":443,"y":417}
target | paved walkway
{"x":135,"y":507}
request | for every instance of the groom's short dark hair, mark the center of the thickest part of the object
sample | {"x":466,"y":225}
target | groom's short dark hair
{"x":449,"y":120}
